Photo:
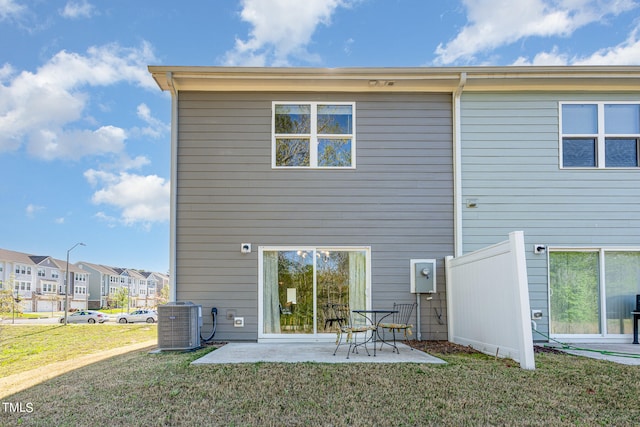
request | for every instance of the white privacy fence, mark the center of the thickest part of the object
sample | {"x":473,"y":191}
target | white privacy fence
{"x":488,"y":301}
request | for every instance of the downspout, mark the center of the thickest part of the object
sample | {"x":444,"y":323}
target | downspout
{"x":173,"y":185}
{"x":457,"y":166}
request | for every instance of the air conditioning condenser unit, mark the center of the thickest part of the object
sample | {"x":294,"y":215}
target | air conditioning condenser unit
{"x":179,"y":326}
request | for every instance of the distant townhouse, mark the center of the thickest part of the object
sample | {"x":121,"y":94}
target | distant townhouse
{"x":38,"y":283}
{"x":100,"y":283}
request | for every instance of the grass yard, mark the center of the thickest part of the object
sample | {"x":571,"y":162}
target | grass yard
{"x":24,"y":347}
{"x":139,"y":388}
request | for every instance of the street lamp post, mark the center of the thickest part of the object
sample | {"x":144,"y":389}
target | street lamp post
{"x":66,"y":284}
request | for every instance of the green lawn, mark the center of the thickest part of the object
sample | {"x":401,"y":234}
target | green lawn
{"x":24,"y":347}
{"x":139,"y":388}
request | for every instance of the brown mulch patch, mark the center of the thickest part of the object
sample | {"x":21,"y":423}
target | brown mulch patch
{"x":441,"y":347}
{"x":543,"y":349}
{"x":446,"y":347}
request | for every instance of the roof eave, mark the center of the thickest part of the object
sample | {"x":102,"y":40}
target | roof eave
{"x":421,"y":79}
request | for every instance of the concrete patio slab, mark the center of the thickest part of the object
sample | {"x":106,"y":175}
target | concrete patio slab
{"x":310,"y":352}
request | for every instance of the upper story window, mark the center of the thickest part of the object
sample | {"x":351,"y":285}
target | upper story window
{"x":313,"y":135}
{"x":49,"y":288}
{"x":41,"y":272}
{"x":600,"y":135}
{"x":23,"y":269}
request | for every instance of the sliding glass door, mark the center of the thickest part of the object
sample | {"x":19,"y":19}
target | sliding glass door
{"x":299,"y":285}
{"x":592,"y":292}
{"x":575,"y":292}
{"x":622,"y":285}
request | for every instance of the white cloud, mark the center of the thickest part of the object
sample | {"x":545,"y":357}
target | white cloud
{"x":625,"y":53}
{"x":10,"y":9}
{"x":36,"y":109}
{"x":109,"y":220}
{"x":126,"y":163}
{"x":32,"y":209}
{"x":495,"y":23}
{"x":280,"y":29}
{"x":139,"y":199}
{"x":348,"y":46}
{"x":76,"y":144}
{"x":545,"y":58}
{"x":78,"y":9}
{"x":155,"y":128}
{"x":6,"y":71}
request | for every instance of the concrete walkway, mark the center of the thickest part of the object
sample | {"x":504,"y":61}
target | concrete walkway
{"x":626,"y":354}
{"x":310,"y":352}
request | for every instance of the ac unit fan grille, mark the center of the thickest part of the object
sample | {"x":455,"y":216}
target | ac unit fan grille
{"x":178,"y":327}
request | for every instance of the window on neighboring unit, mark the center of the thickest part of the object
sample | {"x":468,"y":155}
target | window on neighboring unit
{"x":49,"y":288}
{"x":41,"y":272}
{"x":593,"y":291}
{"x":600,"y":135}
{"x":313,"y":135}
{"x":54,"y":274}
{"x":22,"y":269}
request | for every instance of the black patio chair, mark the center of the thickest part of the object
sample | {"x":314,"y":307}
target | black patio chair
{"x":330,"y":316}
{"x":285,"y":310}
{"x":350,"y":330}
{"x":399,"y":322}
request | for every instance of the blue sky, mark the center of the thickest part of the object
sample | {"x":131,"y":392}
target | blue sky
{"x":84,"y":130}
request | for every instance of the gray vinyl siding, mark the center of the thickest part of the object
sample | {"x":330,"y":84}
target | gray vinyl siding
{"x":398,"y":201}
{"x":510,"y":164}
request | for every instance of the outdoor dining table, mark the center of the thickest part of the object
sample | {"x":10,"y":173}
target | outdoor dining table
{"x":375,"y":317}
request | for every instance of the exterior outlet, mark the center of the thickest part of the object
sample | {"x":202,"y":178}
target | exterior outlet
{"x":238,"y":322}
{"x":536,"y":314}
{"x":539,"y":249}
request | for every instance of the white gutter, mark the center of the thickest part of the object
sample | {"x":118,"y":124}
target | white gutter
{"x":457,"y":166}
{"x":173,"y":185}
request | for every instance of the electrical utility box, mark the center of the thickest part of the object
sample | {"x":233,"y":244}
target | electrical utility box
{"x":423,"y":276}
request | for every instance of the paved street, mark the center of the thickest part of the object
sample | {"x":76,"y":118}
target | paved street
{"x":45,"y":321}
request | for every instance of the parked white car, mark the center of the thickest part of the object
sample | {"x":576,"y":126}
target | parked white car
{"x":85,"y":316}
{"x":144,"y":315}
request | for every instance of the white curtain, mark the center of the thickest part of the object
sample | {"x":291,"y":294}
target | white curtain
{"x":270,"y":292}
{"x":357,"y":280}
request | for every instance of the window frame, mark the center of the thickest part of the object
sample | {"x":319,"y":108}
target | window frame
{"x":600,"y":137}
{"x":602,"y":252}
{"x":315,"y":249}
{"x":313,"y":135}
